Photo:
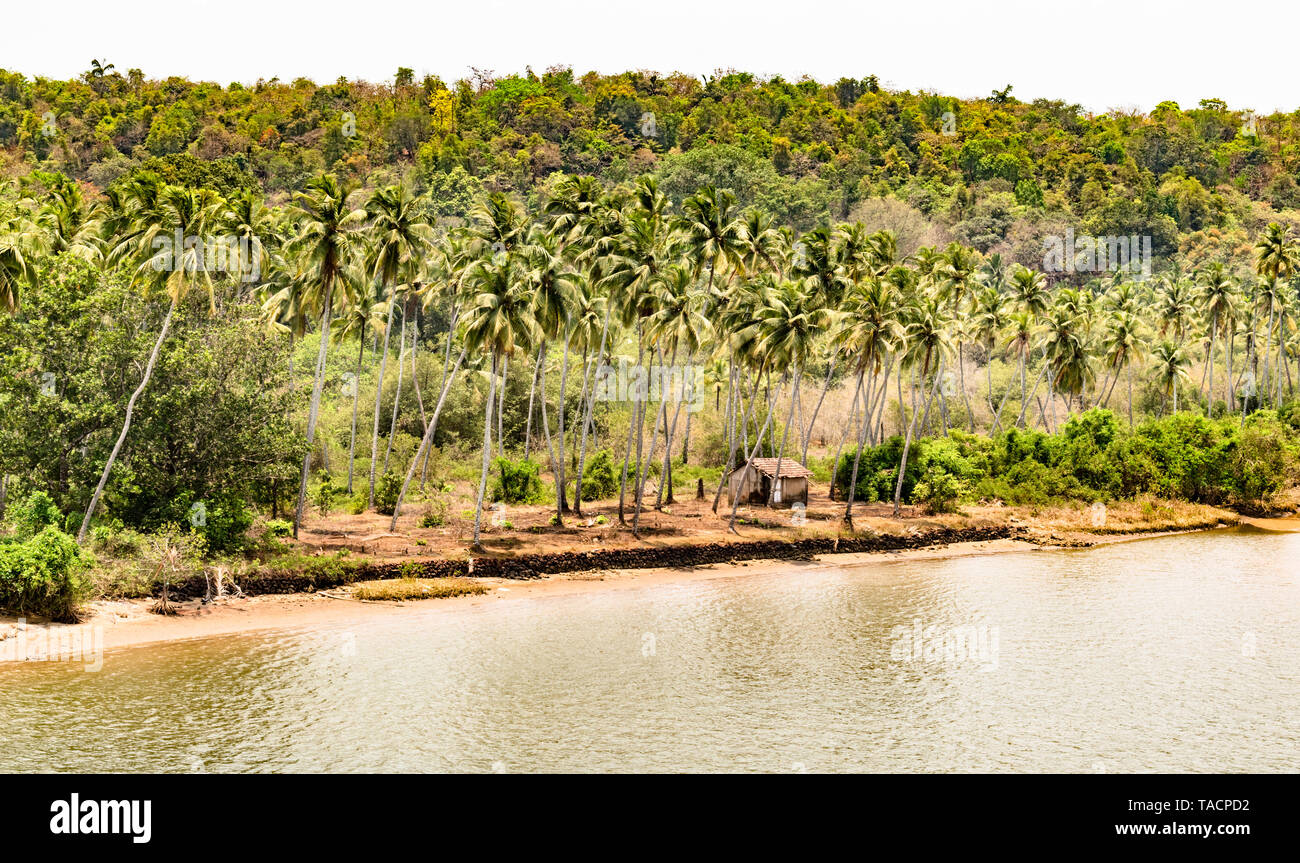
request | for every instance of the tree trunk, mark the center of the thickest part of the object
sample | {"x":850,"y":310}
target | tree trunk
{"x":356,"y":398}
{"x":397,"y":395}
{"x":487,"y":453}
{"x":427,"y":443}
{"x":314,"y":411}
{"x":830,"y":370}
{"x":780,"y":452}
{"x":379,"y":395}
{"x":126,"y":424}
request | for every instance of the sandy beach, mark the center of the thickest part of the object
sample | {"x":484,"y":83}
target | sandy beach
{"x":130,"y":623}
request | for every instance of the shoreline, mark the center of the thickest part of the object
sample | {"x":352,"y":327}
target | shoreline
{"x":127,"y":624}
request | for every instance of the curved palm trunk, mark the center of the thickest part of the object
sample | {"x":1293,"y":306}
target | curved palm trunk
{"x":780,"y":452}
{"x":907,"y":446}
{"x":487,"y":453}
{"x":356,"y":400}
{"x":427,"y":443}
{"x":589,"y":406}
{"x":314,"y":412}
{"x":851,"y":491}
{"x":501,"y":407}
{"x":446,"y":360}
{"x":532,"y":397}
{"x":817,"y":409}
{"x":670,"y":433}
{"x":379,"y":395}
{"x":126,"y":424}
{"x":643,"y":464}
{"x":397,"y":396}
{"x":561,"y":498}
{"x":758,"y":442}
{"x":633,"y":428}
{"x":961,"y":376}
{"x":853,"y":409}
{"x":735,"y":403}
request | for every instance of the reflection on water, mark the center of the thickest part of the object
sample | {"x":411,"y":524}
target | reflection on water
{"x":1172,"y":654}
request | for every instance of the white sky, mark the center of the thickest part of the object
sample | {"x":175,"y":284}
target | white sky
{"x":1102,"y":54}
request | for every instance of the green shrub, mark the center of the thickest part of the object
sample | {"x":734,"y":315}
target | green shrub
{"x":435,"y":513}
{"x":939,"y":490}
{"x":223,"y":524}
{"x":516,"y":482}
{"x":44,"y":575}
{"x":34,"y":514}
{"x":386,"y":492}
{"x":278,"y":528}
{"x":325,"y":494}
{"x":599,"y":477}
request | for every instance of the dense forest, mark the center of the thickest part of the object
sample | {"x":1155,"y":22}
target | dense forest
{"x":222,"y":306}
{"x":995,"y":174}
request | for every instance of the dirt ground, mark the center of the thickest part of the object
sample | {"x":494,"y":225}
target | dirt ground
{"x":520,"y":530}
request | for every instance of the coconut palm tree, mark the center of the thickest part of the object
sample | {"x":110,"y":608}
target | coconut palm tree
{"x":176,"y":212}
{"x":1276,"y":257}
{"x":398,"y":239}
{"x":712,"y":233}
{"x":499,"y":323}
{"x":361,"y":311}
{"x":1124,"y":346}
{"x":928,"y":340}
{"x":1170,"y":366}
{"x":1217,"y":296}
{"x":16,"y":268}
{"x":323,"y":246}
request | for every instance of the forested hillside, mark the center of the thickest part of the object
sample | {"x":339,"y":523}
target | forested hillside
{"x":995,"y":174}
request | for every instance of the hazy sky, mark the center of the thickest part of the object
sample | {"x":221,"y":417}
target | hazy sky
{"x":1105,"y":54}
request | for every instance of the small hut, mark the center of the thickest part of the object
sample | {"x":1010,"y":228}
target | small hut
{"x":754,"y":485}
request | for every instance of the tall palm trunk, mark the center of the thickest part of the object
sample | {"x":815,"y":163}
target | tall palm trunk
{"x":780,"y":452}
{"x":851,"y":491}
{"x":561,"y":496}
{"x":427,"y":443}
{"x":735,"y":403}
{"x":126,"y":424}
{"x":487,"y":453}
{"x":643,"y":464}
{"x":356,"y":400}
{"x":397,"y":395}
{"x":588,"y":407}
{"x":907,"y":446}
{"x":853,"y":409}
{"x":749,"y":462}
{"x":314,"y":411}
{"x":825,"y":386}
{"x":379,"y":396}
{"x":633,"y":428}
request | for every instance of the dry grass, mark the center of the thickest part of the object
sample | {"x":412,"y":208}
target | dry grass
{"x":401,"y":589}
{"x":1135,"y":516}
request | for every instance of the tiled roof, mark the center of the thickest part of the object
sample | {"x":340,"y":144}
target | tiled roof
{"x":789,"y":467}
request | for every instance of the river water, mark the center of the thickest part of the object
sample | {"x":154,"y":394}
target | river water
{"x":1170,"y":654}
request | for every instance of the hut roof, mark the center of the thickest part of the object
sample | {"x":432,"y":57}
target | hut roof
{"x":789,"y":467}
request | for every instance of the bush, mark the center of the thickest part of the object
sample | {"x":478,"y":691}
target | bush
{"x":325,"y":494}
{"x":223,"y":524}
{"x":386,"y":492}
{"x":435,"y":513}
{"x":939,"y":490}
{"x":34,"y":514}
{"x":278,"y":528}
{"x":44,"y":575}
{"x":516,"y":482}
{"x":599,"y":478}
